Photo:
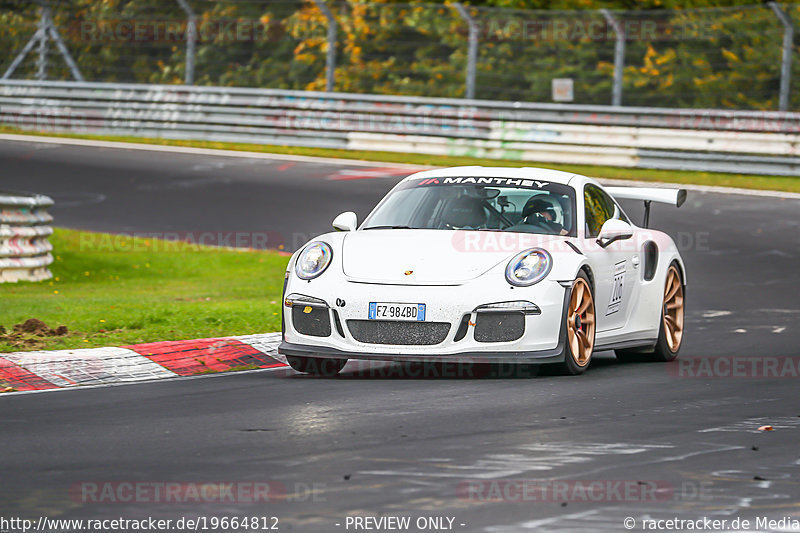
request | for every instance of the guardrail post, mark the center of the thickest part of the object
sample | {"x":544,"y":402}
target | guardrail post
{"x":44,"y":28}
{"x":25,"y":50}
{"x":472,"y":53}
{"x":17,"y":60}
{"x":53,"y":32}
{"x":619,"y":56}
{"x":191,"y":41}
{"x":330,"y":57}
{"x":41,"y":61}
{"x":786,"y":62}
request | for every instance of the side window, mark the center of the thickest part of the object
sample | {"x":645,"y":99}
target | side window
{"x":599,"y":207}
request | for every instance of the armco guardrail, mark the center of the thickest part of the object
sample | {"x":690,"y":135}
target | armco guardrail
{"x":749,"y":142}
{"x":24,"y":229}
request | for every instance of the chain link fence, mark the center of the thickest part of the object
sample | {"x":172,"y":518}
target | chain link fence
{"x":737,"y":58}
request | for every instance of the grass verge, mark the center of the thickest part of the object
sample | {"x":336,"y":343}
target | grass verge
{"x":774,"y":183}
{"x":114,"y":290}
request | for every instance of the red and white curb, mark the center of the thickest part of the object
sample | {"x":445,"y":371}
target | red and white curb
{"x":42,"y":370}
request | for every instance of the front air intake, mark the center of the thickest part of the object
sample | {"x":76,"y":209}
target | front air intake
{"x":499,"y":327}
{"x":399,"y":333}
{"x":316,"y":322}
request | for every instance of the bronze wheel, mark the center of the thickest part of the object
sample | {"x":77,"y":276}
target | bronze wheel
{"x":580,"y":318}
{"x":673,"y":310}
{"x":670,"y":331}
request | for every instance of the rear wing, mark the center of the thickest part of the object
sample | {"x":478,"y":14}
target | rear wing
{"x":674,"y":197}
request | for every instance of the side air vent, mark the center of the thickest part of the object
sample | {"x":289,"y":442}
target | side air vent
{"x":461,"y":332}
{"x":338,"y":323}
{"x":650,"y":260}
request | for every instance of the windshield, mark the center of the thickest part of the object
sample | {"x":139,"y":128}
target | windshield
{"x":473,"y":203}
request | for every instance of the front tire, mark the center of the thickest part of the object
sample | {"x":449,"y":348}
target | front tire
{"x":580,"y":327}
{"x":316,"y":366}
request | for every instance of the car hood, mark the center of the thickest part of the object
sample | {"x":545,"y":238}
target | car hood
{"x":427,"y":257}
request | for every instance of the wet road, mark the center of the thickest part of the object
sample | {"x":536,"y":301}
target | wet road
{"x":493,"y":453}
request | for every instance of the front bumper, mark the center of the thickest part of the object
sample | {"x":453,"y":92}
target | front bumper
{"x":543,"y":340}
{"x":556,"y":355}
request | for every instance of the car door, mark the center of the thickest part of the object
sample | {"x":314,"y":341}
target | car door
{"x":613,"y":266}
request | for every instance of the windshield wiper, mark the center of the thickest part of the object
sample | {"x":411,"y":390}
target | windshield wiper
{"x":389,"y":227}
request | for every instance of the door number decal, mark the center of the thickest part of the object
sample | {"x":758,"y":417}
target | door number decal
{"x":616,"y":288}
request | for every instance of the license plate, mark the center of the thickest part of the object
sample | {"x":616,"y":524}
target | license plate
{"x":394,"y":311}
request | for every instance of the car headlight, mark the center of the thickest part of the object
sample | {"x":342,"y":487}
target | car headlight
{"x":313,"y":260}
{"x":529,"y":267}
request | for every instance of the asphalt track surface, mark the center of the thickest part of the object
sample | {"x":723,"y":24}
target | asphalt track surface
{"x":377,"y":441}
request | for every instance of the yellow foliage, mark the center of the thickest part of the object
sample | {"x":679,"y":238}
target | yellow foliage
{"x":305,"y":58}
{"x":667,"y":57}
{"x":730,"y":56}
{"x":605,"y":66}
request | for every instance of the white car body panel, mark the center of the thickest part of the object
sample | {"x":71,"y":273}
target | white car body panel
{"x":455,"y":272}
{"x":424,"y":252}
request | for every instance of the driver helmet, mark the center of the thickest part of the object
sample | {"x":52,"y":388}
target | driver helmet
{"x":540,"y":204}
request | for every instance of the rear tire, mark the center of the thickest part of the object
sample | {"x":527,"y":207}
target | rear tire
{"x":670,"y":331}
{"x":317,"y":366}
{"x":580,"y":326}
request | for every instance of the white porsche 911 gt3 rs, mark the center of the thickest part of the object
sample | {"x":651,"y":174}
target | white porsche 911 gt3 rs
{"x":487,"y":265}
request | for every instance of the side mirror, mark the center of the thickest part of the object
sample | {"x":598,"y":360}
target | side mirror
{"x":614,"y":230}
{"x":347,"y":221}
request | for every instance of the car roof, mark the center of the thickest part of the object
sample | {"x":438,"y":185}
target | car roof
{"x":553,"y":176}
